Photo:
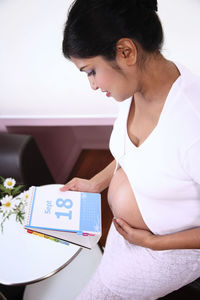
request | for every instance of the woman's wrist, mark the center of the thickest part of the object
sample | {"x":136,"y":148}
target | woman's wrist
{"x":154,"y":243}
{"x":102,"y":180}
{"x":159,"y":242}
{"x":187,"y":239}
{"x":97,"y":184}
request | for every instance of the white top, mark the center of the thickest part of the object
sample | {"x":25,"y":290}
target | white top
{"x":164,"y":171}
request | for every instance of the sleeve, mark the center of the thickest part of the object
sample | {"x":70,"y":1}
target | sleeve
{"x":117,"y":137}
{"x":192,"y":161}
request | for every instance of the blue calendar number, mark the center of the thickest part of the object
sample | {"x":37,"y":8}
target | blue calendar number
{"x":67,"y":204}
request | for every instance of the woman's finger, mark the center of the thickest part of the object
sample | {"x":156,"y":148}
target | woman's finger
{"x":68,"y":186}
{"x":64,"y":188}
{"x":123,"y":225}
{"x":120,"y":229}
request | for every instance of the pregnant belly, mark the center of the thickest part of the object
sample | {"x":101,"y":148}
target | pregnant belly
{"x":122,"y":201}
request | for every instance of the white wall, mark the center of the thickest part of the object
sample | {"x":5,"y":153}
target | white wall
{"x":36,"y":80}
{"x":181,"y":23}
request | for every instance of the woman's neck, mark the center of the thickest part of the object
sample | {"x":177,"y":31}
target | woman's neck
{"x":156,"y":78}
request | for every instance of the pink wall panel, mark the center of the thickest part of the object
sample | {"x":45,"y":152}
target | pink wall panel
{"x":62,"y":145}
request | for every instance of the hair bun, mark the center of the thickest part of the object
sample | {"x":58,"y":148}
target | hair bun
{"x":150,"y":4}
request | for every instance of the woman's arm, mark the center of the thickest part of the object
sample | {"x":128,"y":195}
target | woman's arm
{"x":188,"y":239}
{"x":103,"y":178}
{"x":96,"y":184}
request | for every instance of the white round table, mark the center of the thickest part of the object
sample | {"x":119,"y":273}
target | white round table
{"x":27,"y":258}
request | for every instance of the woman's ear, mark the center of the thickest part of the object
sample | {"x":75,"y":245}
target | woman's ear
{"x":126,"y":51}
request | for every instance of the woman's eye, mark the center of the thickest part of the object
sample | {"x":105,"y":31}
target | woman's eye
{"x":91,"y":73}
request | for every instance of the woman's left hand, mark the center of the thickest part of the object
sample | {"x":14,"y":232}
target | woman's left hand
{"x":186,"y":239}
{"x":139,"y":237}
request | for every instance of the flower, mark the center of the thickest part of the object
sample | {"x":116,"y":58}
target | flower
{"x":25,"y":195}
{"x":7,"y":204}
{"x":9,"y":183}
{"x":12,"y":201}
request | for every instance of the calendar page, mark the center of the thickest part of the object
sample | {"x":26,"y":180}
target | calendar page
{"x":52,"y":209}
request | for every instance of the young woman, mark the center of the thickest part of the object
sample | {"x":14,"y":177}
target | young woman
{"x":153,"y":246}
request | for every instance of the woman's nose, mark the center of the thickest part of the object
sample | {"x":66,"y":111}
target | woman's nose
{"x":93,"y":84}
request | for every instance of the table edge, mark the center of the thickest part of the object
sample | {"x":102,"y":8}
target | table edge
{"x":45,"y":276}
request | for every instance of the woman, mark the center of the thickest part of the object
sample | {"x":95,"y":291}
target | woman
{"x":153,"y":246}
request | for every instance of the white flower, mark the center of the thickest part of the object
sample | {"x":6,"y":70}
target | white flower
{"x":25,"y":195}
{"x":9,"y":183}
{"x":7,"y":204}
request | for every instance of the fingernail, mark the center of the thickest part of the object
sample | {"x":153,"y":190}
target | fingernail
{"x":116,"y":220}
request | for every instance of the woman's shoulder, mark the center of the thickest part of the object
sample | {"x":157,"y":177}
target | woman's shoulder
{"x":190,"y":90}
{"x":124,"y":106}
{"x":192,"y":95}
{"x":123,"y":110}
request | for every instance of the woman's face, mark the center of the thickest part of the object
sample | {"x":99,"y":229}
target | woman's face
{"x":101,"y":74}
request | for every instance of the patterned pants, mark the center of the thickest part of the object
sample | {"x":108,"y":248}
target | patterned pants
{"x":129,"y":272}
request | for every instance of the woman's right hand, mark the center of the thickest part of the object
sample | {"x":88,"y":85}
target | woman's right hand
{"x":96,"y":184}
{"x":80,"y":185}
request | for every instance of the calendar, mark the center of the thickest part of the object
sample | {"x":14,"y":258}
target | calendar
{"x":71,"y":216}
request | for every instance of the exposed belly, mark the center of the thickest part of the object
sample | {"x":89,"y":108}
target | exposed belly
{"x":122,"y":200}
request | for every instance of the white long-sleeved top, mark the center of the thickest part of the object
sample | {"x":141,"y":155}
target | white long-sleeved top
{"x":164,"y":171}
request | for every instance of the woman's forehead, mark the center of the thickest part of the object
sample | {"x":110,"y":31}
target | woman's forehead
{"x":83,"y":62}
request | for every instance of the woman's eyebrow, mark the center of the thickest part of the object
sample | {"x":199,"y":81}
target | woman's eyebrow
{"x":81,"y":69}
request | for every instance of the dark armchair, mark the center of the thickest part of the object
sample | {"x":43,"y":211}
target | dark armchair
{"x":21,"y":158}
{"x":188,"y":292}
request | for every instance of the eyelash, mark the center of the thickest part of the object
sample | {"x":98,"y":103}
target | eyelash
{"x":92,"y":73}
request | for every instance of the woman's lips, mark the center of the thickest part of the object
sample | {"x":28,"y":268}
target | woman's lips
{"x":108,"y":94}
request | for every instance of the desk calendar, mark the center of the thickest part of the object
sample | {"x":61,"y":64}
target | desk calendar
{"x":69,"y":216}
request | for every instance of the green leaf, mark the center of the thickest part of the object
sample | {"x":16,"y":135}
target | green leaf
{"x":20,"y":216}
{"x":2,"y":179}
{"x":17,"y":190}
{"x":2,"y":188}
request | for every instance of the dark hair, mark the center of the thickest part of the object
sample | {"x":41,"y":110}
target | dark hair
{"x":94,"y":27}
